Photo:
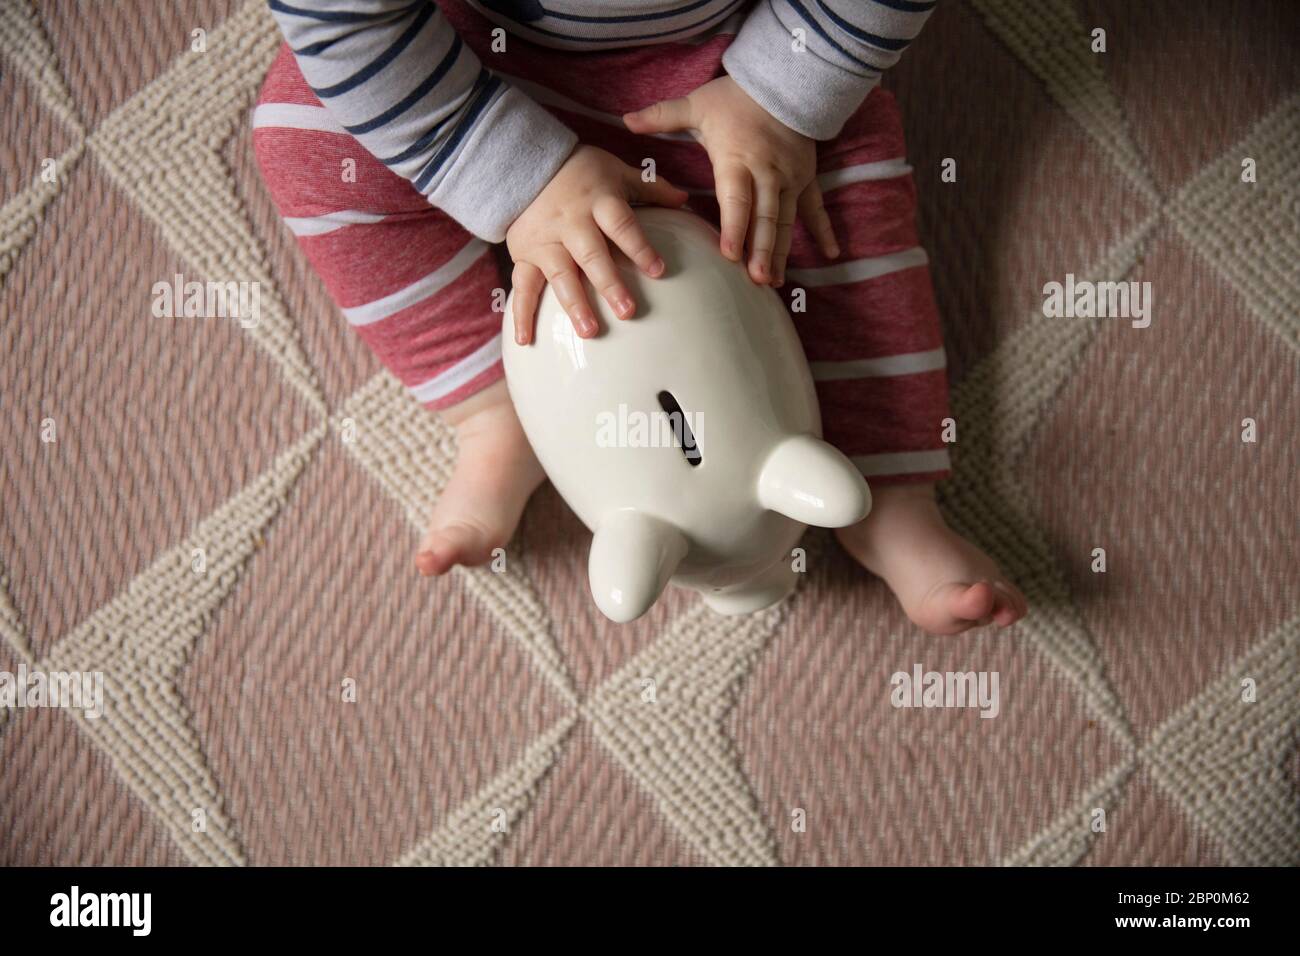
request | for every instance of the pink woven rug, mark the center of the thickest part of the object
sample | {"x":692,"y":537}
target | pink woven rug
{"x":305,"y":698}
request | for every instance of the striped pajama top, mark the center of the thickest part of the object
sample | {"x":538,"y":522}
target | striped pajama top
{"x":396,"y":76}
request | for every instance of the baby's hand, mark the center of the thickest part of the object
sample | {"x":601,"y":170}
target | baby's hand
{"x":763,"y":170}
{"x":562,"y":233}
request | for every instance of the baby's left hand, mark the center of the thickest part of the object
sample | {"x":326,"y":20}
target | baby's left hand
{"x":763,"y":171}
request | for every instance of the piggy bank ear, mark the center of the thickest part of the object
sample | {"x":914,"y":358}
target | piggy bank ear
{"x":632,"y":557}
{"x":812,"y":482}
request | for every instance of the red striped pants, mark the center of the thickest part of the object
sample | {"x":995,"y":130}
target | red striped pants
{"x":420,"y":290}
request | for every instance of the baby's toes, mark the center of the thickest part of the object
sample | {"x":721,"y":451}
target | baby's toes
{"x":1010,"y":605}
{"x":975,"y":603}
{"x":454,"y":543}
{"x":953,"y":608}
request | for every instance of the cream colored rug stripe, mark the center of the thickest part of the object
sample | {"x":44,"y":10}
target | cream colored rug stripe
{"x":12,"y":628}
{"x":677,"y":747}
{"x":1069,"y":838}
{"x":997,"y":408}
{"x":1022,"y":376}
{"x":14,"y":633}
{"x":1251,"y":231}
{"x":1050,"y":38}
{"x":474,"y":833}
{"x":22,"y":214}
{"x":410,"y":452}
{"x":171,"y":167}
{"x":142,"y":641}
{"x":1230,"y":762}
{"x":1224,"y":760}
{"x":25,"y":44}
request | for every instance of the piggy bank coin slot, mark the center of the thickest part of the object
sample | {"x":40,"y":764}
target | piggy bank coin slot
{"x":682,"y":433}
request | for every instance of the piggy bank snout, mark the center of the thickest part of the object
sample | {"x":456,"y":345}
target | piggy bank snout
{"x":811,"y":482}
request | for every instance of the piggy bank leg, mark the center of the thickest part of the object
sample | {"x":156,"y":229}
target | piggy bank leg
{"x":770,"y":587}
{"x":632,"y":557}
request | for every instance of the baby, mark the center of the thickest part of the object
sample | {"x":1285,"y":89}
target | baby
{"x":401,"y":140}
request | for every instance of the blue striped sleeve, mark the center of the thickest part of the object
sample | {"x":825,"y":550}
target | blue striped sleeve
{"x":396,"y":76}
{"x":811,"y":63}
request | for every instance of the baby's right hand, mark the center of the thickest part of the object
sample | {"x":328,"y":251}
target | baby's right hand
{"x":562,"y":234}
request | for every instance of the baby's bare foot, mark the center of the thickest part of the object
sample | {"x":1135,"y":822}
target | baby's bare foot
{"x":495,"y":474}
{"x":945,"y":584}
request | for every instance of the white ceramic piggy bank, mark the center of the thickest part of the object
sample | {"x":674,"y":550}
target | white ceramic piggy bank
{"x":688,"y":438}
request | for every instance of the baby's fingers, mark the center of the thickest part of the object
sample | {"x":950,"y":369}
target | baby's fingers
{"x":763,"y":227}
{"x":617,"y":220}
{"x":528,"y":282}
{"x":563,"y":275}
{"x":591,"y":253}
{"x":784,"y":234}
{"x":657,"y":191}
{"x":812,"y":210}
{"x":735,"y":202}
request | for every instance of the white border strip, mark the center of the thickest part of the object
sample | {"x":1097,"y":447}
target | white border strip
{"x":909,"y":363}
{"x":863,"y":172}
{"x":454,"y":376}
{"x":330,"y":221}
{"x":858,"y":270}
{"x":902,"y":463}
{"x":296,"y":116}
{"x":420,"y":289}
